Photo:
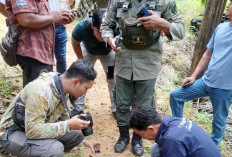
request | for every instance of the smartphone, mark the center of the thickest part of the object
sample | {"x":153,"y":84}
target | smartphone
{"x":118,"y":40}
{"x":74,"y":11}
{"x":186,"y":84}
{"x":110,"y":74}
{"x":143,"y":12}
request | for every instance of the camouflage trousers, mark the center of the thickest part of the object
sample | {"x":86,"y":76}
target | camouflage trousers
{"x":18,"y":144}
{"x":136,"y":93}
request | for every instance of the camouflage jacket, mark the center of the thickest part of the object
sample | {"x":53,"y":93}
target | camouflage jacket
{"x":45,"y":116}
{"x":143,"y":64}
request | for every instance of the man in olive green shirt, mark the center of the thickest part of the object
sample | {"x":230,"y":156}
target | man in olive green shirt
{"x":138,"y":56}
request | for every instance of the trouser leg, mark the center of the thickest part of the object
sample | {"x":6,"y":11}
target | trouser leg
{"x":72,"y":139}
{"x":145,"y":92}
{"x":181,"y":95}
{"x":221,"y":100}
{"x":155,"y":150}
{"x":111,"y":87}
{"x":124,"y":93}
{"x":60,"y":48}
{"x":32,"y":68}
{"x":20,"y":146}
{"x":106,"y":61}
{"x":78,"y":104}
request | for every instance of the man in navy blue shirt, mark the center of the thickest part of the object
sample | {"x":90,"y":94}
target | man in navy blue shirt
{"x":215,"y":83}
{"x":175,"y":137}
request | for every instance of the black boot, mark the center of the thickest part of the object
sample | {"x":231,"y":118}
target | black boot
{"x":137,"y":145}
{"x":123,"y":140}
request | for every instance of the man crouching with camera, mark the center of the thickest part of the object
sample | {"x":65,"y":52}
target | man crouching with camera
{"x":37,"y":122}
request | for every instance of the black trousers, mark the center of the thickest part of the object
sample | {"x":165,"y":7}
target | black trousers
{"x":32,"y":68}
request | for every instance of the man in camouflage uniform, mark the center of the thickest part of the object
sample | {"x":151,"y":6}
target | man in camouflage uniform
{"x":138,"y":56}
{"x":48,"y":130}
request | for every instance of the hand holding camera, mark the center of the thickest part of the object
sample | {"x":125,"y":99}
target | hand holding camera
{"x":75,"y":123}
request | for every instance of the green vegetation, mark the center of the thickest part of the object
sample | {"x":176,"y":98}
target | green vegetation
{"x":6,"y":88}
{"x":204,"y":2}
{"x":175,"y":67}
{"x":9,"y":82}
{"x":188,"y":10}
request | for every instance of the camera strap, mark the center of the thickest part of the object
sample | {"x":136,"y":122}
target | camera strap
{"x":59,"y":87}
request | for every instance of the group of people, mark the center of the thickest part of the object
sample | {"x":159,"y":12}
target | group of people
{"x":38,"y":123}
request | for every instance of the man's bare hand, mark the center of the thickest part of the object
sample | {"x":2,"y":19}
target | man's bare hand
{"x":62,"y":17}
{"x":112,"y":43}
{"x":71,"y":17}
{"x":95,"y":148}
{"x":151,"y":22}
{"x":75,"y":123}
{"x":189,"y":80}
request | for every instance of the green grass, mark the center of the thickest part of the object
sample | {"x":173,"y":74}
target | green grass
{"x":9,"y":81}
{"x":6,"y":88}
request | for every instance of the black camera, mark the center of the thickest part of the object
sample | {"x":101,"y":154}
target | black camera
{"x":87,"y":131}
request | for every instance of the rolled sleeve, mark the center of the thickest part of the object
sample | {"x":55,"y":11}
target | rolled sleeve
{"x":109,"y":21}
{"x":24,"y":6}
{"x":177,"y":31}
{"x":172,"y":15}
{"x":76,"y":33}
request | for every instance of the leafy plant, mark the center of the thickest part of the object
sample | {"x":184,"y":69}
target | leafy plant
{"x":6,"y":88}
{"x":204,"y":2}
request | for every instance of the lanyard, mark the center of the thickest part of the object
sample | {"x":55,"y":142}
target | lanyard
{"x":58,"y":84}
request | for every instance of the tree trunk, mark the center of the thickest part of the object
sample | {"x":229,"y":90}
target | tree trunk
{"x":212,"y":17}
